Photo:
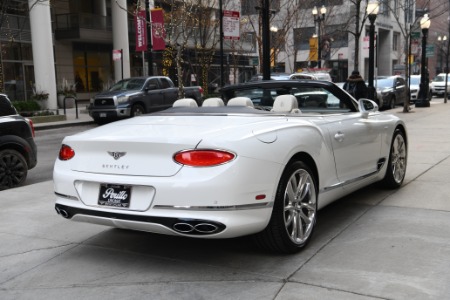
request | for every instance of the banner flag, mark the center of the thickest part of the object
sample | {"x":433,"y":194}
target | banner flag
{"x":158,"y":32}
{"x":313,"y":49}
{"x":140,"y":24}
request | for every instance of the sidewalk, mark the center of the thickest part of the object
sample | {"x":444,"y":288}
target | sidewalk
{"x":71,"y":119}
{"x":372,"y":244}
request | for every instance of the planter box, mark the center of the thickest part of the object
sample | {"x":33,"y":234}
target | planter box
{"x":46,"y":119}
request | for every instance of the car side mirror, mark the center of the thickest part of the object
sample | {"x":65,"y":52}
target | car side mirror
{"x":367,"y":106}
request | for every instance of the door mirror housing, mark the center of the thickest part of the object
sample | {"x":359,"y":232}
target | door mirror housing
{"x":367,"y":106}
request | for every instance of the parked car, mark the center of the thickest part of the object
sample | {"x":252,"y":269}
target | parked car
{"x":391,"y":91}
{"x":302,"y":76}
{"x":414,"y":88}
{"x":438,"y":85}
{"x":18,"y":152}
{"x":315,"y":76}
{"x":234,"y":170}
{"x":273,"y":76}
{"x":138,"y":95}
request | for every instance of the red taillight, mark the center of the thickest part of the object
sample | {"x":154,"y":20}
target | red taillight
{"x":203,"y":158}
{"x":30,"y":122}
{"x":66,"y":153}
{"x":200,"y":89}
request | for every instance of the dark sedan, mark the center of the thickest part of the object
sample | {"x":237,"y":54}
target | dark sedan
{"x":391,"y":90}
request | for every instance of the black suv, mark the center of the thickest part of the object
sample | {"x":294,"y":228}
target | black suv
{"x":18,"y":152}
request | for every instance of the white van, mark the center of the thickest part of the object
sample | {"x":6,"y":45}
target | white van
{"x":437,"y":86}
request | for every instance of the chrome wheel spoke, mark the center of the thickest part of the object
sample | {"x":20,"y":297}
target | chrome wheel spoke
{"x":398,"y":158}
{"x":300,"y":206}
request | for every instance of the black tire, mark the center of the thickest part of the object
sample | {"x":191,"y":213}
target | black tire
{"x":137,"y":110}
{"x":392,"y":103}
{"x":295,"y":200}
{"x":396,"y":168}
{"x":13,"y":169}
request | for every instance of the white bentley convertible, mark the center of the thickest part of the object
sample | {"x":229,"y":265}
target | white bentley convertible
{"x":262,"y":164}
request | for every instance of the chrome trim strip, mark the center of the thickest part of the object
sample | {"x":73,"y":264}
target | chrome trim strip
{"x":217,"y":208}
{"x":66,"y":196}
{"x":350,"y":181}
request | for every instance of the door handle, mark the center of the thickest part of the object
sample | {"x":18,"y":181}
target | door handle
{"x":339,"y":136}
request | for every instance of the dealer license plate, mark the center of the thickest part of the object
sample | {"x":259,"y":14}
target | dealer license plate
{"x":115,"y":195}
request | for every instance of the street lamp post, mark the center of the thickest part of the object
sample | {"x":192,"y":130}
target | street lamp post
{"x":444,"y":44}
{"x":273,"y":31}
{"x":447,"y":52}
{"x":372,"y":11}
{"x":422,"y":100}
{"x":442,"y":41}
{"x":318,"y":19}
{"x":265,"y":15}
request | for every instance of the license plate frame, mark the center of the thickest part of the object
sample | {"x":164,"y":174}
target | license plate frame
{"x":114,"y":195}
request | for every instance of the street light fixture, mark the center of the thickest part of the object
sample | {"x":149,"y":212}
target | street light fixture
{"x":318,"y":19}
{"x":372,"y":10}
{"x":422,"y":100}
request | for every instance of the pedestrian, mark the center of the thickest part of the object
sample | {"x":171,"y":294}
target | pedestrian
{"x":356,"y":86}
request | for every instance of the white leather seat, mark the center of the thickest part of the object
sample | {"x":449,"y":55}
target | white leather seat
{"x":215,"y":101}
{"x":286,"y":104}
{"x":186,"y":102}
{"x":240,"y":101}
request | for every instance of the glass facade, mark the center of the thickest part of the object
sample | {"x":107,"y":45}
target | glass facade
{"x":93,"y":70}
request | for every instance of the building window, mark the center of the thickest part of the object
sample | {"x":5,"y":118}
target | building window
{"x":337,"y":35}
{"x":395,"y":41}
{"x":311,"y":4}
{"x":93,"y":67}
{"x":248,"y":7}
{"x":302,"y":36}
{"x":384,"y":8}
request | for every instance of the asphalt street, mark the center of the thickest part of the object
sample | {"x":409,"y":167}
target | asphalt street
{"x":372,"y":244}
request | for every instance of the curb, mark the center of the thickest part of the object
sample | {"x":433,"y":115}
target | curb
{"x":61,"y":125}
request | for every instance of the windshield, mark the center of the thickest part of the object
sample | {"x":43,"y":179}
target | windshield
{"x":415,"y":80}
{"x":128,"y":84}
{"x":384,"y":83}
{"x":441,"y":78}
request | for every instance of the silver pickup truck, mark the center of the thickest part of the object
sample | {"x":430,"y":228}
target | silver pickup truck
{"x":138,"y":95}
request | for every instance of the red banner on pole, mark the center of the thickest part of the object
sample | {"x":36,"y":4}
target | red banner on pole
{"x":141,"y":31}
{"x":158,"y":32}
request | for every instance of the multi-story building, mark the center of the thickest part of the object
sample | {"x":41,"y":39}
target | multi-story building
{"x":47,"y":43}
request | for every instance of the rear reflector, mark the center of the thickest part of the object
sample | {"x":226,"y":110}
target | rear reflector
{"x":66,"y":153}
{"x":203,"y":158}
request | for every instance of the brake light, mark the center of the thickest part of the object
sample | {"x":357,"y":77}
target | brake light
{"x":203,"y":158}
{"x":30,"y":123}
{"x":200,"y":89}
{"x":66,"y":152}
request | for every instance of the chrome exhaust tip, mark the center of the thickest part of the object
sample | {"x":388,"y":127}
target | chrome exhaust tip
{"x":194,"y":227}
{"x":62,"y":212}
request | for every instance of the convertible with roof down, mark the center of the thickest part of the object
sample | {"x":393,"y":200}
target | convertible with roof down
{"x":259,"y":161}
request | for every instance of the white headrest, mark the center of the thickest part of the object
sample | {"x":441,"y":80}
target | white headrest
{"x":285,"y":104}
{"x":189,"y":102}
{"x":213,"y":102}
{"x":240,"y":101}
